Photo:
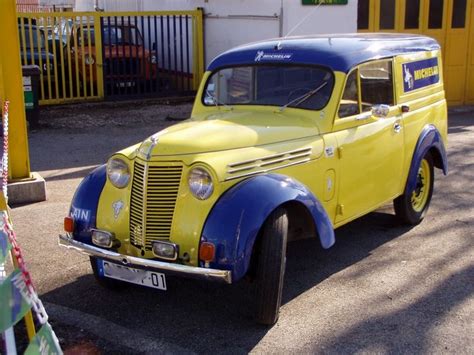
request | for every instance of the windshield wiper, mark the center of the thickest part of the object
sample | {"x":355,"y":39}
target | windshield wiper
{"x":217,"y":103}
{"x":299,"y":100}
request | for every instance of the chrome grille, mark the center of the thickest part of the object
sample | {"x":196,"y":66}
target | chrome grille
{"x":153,"y":199}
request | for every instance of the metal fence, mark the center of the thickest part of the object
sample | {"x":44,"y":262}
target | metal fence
{"x":91,"y":56}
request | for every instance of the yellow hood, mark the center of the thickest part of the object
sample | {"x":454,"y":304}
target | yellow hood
{"x":225,"y":131}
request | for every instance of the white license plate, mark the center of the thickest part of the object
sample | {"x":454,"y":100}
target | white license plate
{"x":126,"y":84}
{"x":135,"y":276}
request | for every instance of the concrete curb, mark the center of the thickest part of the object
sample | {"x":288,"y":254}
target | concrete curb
{"x":27,"y":191}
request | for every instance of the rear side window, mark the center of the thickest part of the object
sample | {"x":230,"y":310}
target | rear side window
{"x":369,"y":85}
{"x":376,"y":83}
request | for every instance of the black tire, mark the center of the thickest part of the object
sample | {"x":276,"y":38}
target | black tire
{"x":271,"y":264}
{"x":105,"y":282}
{"x":406,"y":209}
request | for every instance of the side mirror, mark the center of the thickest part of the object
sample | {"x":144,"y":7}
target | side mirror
{"x":153,"y":46}
{"x":380,"y":111}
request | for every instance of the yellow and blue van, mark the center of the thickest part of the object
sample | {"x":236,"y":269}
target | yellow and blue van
{"x":289,"y":138}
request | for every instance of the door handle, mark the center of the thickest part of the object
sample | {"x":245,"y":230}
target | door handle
{"x":397,"y":127}
{"x":363,"y":116}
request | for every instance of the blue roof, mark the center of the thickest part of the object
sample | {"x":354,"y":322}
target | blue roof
{"x":340,"y":52}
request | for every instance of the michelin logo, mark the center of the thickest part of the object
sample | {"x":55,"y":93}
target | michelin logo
{"x":419,"y":74}
{"x":408,"y":78}
{"x":261,"y":55}
{"x":117,"y":207}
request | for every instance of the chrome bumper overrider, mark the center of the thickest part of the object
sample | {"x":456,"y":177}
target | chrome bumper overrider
{"x":153,"y":265}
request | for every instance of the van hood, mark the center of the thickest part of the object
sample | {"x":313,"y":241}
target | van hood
{"x":226,"y":131}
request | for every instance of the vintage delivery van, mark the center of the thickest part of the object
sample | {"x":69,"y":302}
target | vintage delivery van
{"x":288,"y":138}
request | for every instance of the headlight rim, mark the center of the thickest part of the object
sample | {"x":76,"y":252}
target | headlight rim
{"x":109,"y":173}
{"x":211,"y":176}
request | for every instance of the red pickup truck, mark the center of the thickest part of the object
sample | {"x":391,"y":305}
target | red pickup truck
{"x":126,"y":61}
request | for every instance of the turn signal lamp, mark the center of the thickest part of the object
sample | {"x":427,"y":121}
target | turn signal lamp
{"x":69,"y":224}
{"x":207,"y":251}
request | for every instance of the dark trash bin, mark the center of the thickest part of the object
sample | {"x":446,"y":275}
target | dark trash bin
{"x":31,"y":79}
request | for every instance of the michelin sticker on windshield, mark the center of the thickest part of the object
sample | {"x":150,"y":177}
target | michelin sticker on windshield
{"x":417,"y":75}
{"x":262,"y":56}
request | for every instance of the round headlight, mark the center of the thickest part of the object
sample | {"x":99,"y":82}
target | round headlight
{"x":89,"y":59}
{"x":153,"y":59}
{"x":200,"y":183}
{"x":118,"y":172}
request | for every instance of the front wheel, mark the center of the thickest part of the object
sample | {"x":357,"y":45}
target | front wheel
{"x":411,"y":207}
{"x":271,"y":267}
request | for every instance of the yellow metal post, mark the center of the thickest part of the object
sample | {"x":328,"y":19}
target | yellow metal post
{"x":198,"y":47}
{"x":200,"y":43}
{"x":10,"y":67}
{"x":98,"y":56}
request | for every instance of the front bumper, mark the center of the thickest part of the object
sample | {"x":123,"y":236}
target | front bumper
{"x":152,"y":265}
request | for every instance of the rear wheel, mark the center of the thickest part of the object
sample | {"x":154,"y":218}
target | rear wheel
{"x":411,"y":207}
{"x":103,"y":281}
{"x":271,"y":267}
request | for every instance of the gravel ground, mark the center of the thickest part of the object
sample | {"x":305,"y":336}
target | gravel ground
{"x":113,"y":114}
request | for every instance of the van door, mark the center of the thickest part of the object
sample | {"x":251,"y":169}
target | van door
{"x":370,"y":146}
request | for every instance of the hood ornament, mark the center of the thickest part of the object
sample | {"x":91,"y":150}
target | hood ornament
{"x":147,"y":151}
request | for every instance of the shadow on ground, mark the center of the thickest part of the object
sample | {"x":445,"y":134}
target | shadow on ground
{"x":191,"y":311}
{"x":406,"y":331}
{"x":208,"y":317}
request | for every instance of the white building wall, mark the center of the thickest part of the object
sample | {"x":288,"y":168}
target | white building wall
{"x":229,"y":23}
{"x":58,"y":3}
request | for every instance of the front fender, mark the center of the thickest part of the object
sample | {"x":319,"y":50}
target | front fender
{"x":430,"y":139}
{"x":235,"y":220}
{"x":84,"y":203}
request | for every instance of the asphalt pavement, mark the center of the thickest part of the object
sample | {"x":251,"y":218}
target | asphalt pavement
{"x":383,"y":288}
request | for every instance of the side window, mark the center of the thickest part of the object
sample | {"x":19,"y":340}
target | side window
{"x":376,"y":83}
{"x":350,"y":99}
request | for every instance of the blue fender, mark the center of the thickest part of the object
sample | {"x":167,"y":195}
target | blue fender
{"x":430,"y":138}
{"x":236,"y":218}
{"x":84,"y":203}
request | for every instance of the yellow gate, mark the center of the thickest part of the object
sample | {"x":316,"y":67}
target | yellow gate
{"x":451,"y":22}
{"x":97,"y":55}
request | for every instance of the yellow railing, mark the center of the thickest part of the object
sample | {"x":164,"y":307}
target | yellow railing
{"x":133,"y":53}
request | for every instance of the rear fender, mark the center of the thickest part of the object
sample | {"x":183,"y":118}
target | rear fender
{"x":429,"y":141}
{"x":237,"y":217}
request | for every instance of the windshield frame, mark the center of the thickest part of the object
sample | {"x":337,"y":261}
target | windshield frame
{"x":273,"y":64}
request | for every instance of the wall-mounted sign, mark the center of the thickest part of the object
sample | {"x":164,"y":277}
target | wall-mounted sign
{"x":325,"y":2}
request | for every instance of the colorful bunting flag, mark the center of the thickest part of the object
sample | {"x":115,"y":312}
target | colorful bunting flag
{"x":14,"y":300}
{"x":44,"y":342}
{"x":5,"y":246}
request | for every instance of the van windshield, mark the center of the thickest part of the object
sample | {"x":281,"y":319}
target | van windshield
{"x":111,"y":36}
{"x":304,"y":87}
